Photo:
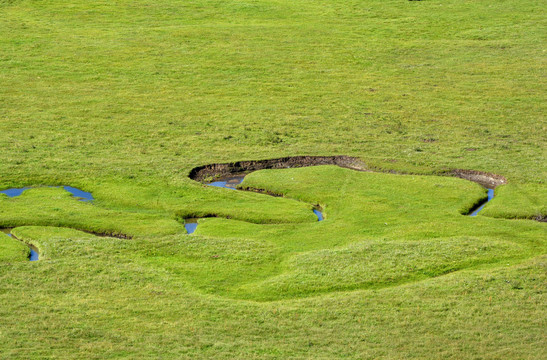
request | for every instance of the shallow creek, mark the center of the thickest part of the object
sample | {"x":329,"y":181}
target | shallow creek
{"x":227,"y":182}
{"x":481,"y":205}
{"x":77,"y":193}
{"x":34,"y":254}
{"x":231,"y":182}
{"x":14,"y":192}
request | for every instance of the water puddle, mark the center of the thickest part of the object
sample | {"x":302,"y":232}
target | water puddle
{"x":190,"y":225}
{"x":80,"y":194}
{"x":481,"y":206}
{"x":319,"y":214}
{"x":77,"y":193}
{"x":14,"y":191}
{"x":229,"y":182}
{"x":34,"y":254}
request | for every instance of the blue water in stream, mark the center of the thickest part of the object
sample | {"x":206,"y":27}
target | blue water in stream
{"x":490,"y":197}
{"x":190,"y":226}
{"x":229,"y":182}
{"x":319,"y":214}
{"x":232,"y":182}
{"x":82,"y":195}
{"x":14,"y":192}
{"x":34,"y":255}
{"x":77,"y":193}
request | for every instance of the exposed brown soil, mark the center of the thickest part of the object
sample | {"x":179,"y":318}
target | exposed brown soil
{"x":488,"y":180}
{"x":218,"y":170}
{"x":260,"y":191}
{"x":204,"y":172}
{"x":118,"y":236}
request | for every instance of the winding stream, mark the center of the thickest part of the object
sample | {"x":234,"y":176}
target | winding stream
{"x":77,"y":193}
{"x":481,"y":205}
{"x":229,"y":175}
{"x":231,"y":182}
{"x":34,"y":254}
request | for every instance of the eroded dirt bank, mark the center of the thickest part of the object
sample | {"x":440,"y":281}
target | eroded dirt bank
{"x":218,"y":170}
{"x":204,"y":172}
{"x":488,"y":180}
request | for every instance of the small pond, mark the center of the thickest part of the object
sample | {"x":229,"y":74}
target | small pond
{"x":190,"y":225}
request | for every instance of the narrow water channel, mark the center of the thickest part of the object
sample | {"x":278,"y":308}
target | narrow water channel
{"x":231,"y":182}
{"x":190,"y":225}
{"x":228,"y":182}
{"x":34,"y":254}
{"x":481,"y":206}
{"x":319,"y":214}
{"x":77,"y":193}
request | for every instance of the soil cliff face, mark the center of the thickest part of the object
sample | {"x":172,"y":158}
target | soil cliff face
{"x":487,"y":180}
{"x":200,"y":173}
{"x":217,"y":170}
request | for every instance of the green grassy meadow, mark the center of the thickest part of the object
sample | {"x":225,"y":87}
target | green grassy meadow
{"x":123,"y":98}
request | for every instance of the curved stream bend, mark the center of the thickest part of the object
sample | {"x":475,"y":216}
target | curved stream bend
{"x":230,"y":182}
{"x":14,"y":192}
{"x":480,"y":206}
{"x":34,"y":254}
{"x":77,"y":193}
{"x":229,"y":175}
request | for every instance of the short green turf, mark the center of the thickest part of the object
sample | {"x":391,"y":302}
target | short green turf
{"x":124,"y":98}
{"x":12,"y":250}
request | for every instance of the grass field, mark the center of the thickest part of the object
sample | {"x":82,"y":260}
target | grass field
{"x":123,"y":98}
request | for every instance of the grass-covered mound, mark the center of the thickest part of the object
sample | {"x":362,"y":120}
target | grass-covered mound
{"x":125,"y":98}
{"x":12,"y":250}
{"x":383,"y":236}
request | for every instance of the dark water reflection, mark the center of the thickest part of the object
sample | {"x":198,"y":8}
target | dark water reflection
{"x":229,"y":182}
